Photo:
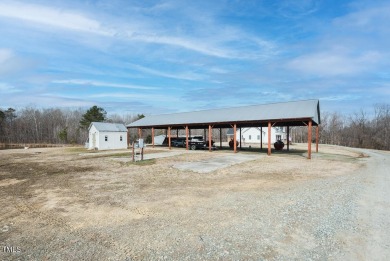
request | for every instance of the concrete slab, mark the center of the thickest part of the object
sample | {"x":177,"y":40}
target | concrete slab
{"x":215,"y":163}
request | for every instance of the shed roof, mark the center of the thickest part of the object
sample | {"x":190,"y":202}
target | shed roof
{"x":109,"y":127}
{"x":287,"y":113}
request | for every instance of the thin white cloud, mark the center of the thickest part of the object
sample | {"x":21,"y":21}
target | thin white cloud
{"x":297,"y":9}
{"x":46,"y":100}
{"x":181,"y":76}
{"x":186,"y":43}
{"x":102,"y":84}
{"x":218,"y":70}
{"x":7,"y":88}
{"x":340,"y":97}
{"x":5,"y":55}
{"x":369,"y":18}
{"x":137,"y":96}
{"x":383,"y":90}
{"x":233,"y":44}
{"x":11,"y":63}
{"x":212,"y":42}
{"x":333,"y":63}
{"x":52,"y":17}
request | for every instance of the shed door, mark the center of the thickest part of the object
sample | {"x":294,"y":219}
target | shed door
{"x":93,"y":140}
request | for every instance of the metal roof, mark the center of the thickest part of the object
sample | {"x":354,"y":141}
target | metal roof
{"x":109,"y":127}
{"x":288,"y":113}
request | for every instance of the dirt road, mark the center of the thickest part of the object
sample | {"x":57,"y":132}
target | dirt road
{"x":59,"y":204}
{"x":373,"y":213}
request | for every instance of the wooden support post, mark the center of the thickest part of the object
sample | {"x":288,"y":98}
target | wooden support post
{"x":210,"y":137}
{"x":261,"y":138}
{"x":187,"y":137}
{"x":169,"y":137}
{"x":269,"y":138}
{"x":140,"y":133}
{"x":220,"y":138}
{"x":204,"y":134}
{"x":309,"y":134}
{"x":240,"y":139}
{"x":153,"y":137}
{"x":235,"y":137}
{"x":317,"y":137}
{"x":288,"y":138}
{"x":177,"y":133}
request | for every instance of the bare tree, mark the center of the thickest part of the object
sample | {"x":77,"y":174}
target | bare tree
{"x":53,"y":125}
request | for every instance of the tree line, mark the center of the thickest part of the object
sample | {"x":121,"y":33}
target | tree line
{"x":59,"y":126}
{"x":356,"y":130}
{"x":53,"y":125}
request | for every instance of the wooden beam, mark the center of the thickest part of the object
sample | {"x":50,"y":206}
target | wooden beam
{"x":169,"y":137}
{"x":152,"y":137}
{"x":317,"y":137}
{"x":309,"y":134}
{"x":235,"y":137}
{"x":269,"y":138}
{"x":186,"y":137}
{"x":210,"y":137}
{"x":140,"y":133}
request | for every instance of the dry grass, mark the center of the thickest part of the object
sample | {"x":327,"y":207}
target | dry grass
{"x":56,"y":192}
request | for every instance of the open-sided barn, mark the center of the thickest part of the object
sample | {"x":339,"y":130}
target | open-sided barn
{"x":285,"y":114}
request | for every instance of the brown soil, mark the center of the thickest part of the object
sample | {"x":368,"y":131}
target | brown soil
{"x":60,"y":205}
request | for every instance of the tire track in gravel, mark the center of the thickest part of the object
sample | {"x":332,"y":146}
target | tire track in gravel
{"x":372,"y":239}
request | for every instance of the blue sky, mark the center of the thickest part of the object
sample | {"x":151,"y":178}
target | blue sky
{"x":156,"y":57}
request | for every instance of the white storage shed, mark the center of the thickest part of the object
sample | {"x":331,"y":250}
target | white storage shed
{"x":107,"y":136}
{"x":252,"y":135}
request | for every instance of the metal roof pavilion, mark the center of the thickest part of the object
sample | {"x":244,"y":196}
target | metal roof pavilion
{"x":295,"y":113}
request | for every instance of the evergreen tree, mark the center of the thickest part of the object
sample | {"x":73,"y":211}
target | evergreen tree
{"x":140,"y":116}
{"x":63,"y":135}
{"x":94,"y":114}
{"x":2,"y":116}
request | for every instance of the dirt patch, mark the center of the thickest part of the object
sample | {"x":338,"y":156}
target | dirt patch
{"x":215,"y":163}
{"x":60,"y":205}
{"x":8,"y":182}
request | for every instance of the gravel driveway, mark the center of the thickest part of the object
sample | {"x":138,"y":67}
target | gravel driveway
{"x":371,"y":238}
{"x":59,"y":205}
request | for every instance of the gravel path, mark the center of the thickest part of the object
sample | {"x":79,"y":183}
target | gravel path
{"x":371,"y":239}
{"x":60,"y":206}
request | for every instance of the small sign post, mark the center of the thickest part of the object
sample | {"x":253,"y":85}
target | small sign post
{"x":141,"y":146}
{"x":138,"y":145}
{"x":133,"y":152}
